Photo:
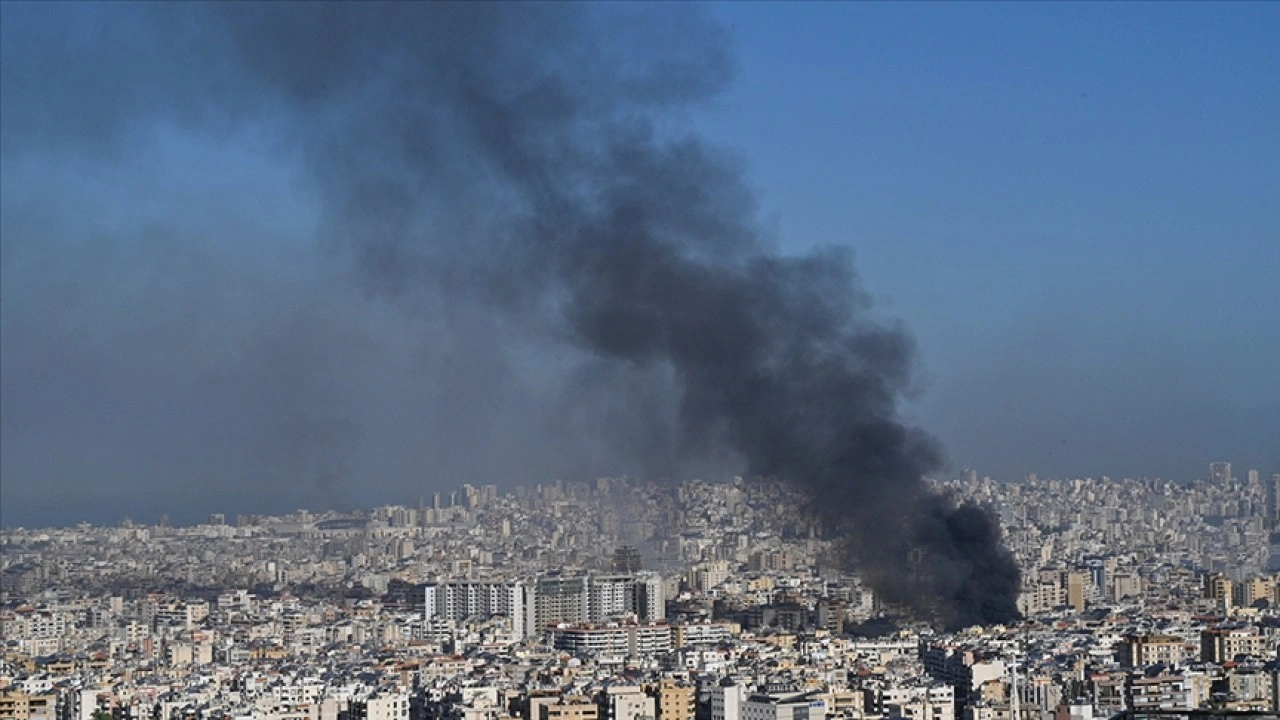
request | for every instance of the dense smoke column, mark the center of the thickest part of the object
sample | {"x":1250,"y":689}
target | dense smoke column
{"x":521,"y":159}
{"x":775,"y":360}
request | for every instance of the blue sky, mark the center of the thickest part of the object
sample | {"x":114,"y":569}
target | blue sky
{"x":1073,"y":207}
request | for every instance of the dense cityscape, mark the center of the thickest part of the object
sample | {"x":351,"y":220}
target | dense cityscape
{"x":625,"y":600}
{"x":639,"y":360}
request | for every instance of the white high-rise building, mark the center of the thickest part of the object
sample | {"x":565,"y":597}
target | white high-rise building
{"x":651,"y":601}
{"x":727,"y":699}
{"x":625,"y":594}
{"x":549,"y":600}
{"x":610,"y":596}
{"x":1273,"y":501}
{"x":463,"y":599}
{"x":560,"y":599}
{"x":1220,"y":473}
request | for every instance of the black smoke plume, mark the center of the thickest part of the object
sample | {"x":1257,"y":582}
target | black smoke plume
{"x":524,"y":175}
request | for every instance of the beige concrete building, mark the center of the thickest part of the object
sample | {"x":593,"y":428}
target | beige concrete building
{"x":1139,"y":651}
{"x":676,"y":701}
{"x":1222,"y":643}
{"x":569,"y":707}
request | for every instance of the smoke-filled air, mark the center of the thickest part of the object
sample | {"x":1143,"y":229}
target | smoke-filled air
{"x":531,"y":264}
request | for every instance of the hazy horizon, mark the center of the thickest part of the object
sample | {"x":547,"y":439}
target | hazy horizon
{"x":100,"y":515}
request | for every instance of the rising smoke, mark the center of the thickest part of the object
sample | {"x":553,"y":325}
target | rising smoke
{"x":523,"y":176}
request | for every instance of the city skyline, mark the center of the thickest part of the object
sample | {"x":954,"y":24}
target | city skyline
{"x":631,"y":601}
{"x":462,"y":495}
{"x":639,"y":361}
